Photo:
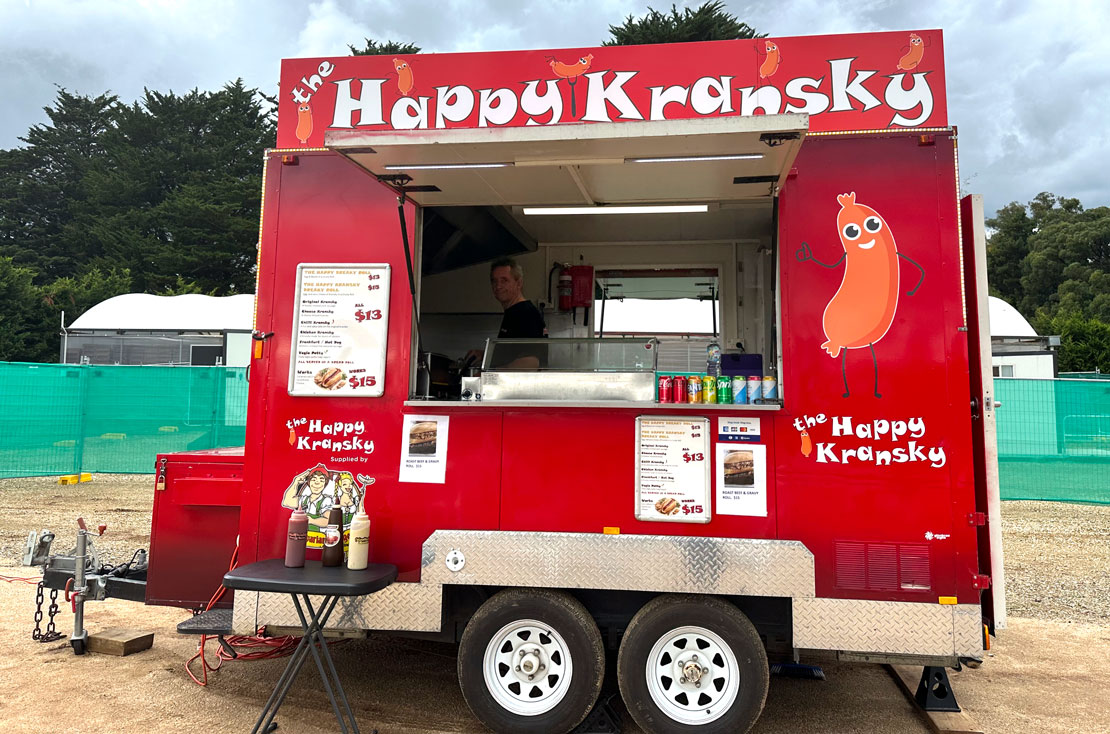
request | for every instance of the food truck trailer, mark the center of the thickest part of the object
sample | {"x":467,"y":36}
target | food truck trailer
{"x":795,"y":201}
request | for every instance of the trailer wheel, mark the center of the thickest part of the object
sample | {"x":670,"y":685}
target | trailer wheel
{"x":531,"y":661}
{"x":692,"y":663}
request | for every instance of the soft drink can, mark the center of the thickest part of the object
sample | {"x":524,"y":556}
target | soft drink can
{"x":709,"y":389}
{"x":693,"y":389}
{"x":770,"y":387}
{"x":724,"y":389}
{"x":666,"y":385}
{"x":755,"y":386}
{"x":739,"y":391}
{"x":678,"y":389}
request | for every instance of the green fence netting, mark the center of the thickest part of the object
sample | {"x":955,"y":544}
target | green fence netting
{"x":1053,"y":435}
{"x":63,"y":419}
{"x":1054,"y":439}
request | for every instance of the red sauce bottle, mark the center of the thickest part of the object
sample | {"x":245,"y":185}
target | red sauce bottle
{"x":297,"y":539}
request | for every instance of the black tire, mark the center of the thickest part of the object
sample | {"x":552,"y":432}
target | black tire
{"x":566,"y":617}
{"x":665,"y":614}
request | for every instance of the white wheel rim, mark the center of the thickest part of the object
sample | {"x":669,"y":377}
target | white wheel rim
{"x":700,"y":698}
{"x":522,"y":648}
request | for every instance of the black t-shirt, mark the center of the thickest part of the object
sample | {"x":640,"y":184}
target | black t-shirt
{"x":521,"y":321}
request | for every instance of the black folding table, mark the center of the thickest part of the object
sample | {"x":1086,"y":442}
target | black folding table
{"x":313,"y":579}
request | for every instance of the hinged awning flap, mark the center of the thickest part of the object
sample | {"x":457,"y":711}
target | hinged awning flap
{"x":704,"y":160}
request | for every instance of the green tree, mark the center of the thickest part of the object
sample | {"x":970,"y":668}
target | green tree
{"x":1069,"y":260}
{"x":74,"y":295}
{"x":43,"y":217}
{"x":709,"y":22}
{"x":1084,"y":342}
{"x":1006,"y":250}
{"x":23,"y":317}
{"x":392,"y":48}
{"x":1051,"y":256}
{"x":177,"y":193}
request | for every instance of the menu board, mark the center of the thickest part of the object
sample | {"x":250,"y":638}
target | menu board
{"x":672,"y":469}
{"x":340,"y":322}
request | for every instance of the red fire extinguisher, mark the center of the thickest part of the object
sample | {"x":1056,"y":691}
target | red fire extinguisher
{"x":566,"y":288}
{"x":576,"y":286}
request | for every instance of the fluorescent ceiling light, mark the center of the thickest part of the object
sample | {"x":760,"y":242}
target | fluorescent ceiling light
{"x":696,"y":158}
{"x":662,"y":209}
{"x":432,"y":166}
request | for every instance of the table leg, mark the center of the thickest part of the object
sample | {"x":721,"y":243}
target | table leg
{"x":331,"y":666}
{"x":316,"y":629}
{"x":281,"y":688}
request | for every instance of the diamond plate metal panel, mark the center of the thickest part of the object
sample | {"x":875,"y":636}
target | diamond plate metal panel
{"x":967,"y":625}
{"x":244,"y":613}
{"x":623,"y":562}
{"x":400,"y":607}
{"x":908,"y":628}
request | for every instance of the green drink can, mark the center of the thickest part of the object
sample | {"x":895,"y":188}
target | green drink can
{"x":724,"y":389}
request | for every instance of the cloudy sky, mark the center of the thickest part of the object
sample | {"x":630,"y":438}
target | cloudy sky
{"x":1028,"y":80}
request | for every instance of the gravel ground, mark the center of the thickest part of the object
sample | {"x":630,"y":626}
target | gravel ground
{"x":1057,"y":558}
{"x":1046,"y":672}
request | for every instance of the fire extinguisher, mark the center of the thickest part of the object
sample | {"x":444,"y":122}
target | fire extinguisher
{"x":566,"y":288}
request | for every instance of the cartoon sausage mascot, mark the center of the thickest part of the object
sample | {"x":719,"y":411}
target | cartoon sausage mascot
{"x":807,"y":443}
{"x":770,"y":64}
{"x":861,"y":311}
{"x":571,"y":72}
{"x":405,"y":81}
{"x":304,"y":122}
{"x":913,"y":56}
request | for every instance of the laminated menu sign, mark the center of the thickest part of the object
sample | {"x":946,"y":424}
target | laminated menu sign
{"x":672,"y":469}
{"x":341,"y":319}
{"x":424,"y":449}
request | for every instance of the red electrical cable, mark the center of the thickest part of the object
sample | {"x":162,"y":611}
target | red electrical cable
{"x":24,"y":579}
{"x":205,"y":667}
{"x":259,"y":647}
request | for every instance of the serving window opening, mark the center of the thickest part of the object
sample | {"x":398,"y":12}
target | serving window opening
{"x":670,"y":257}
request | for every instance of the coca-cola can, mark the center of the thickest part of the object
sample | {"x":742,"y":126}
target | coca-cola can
{"x":678,"y":389}
{"x":666,"y":385}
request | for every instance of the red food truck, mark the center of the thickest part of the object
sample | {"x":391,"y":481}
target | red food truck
{"x":793,"y":203}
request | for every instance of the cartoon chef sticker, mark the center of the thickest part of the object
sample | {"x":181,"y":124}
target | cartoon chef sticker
{"x":863,"y":308}
{"x":317,"y":490}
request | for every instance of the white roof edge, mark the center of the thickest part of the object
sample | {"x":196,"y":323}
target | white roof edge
{"x":792,"y":122}
{"x":188,"y":312}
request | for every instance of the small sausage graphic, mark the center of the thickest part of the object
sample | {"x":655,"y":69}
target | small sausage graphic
{"x":913,"y":56}
{"x":770,"y":64}
{"x":404,"y":76}
{"x":304,"y":122}
{"x":292,"y":437}
{"x":807,"y":443}
{"x":570,"y":71}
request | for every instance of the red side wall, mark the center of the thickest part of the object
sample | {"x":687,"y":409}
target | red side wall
{"x":882,"y":519}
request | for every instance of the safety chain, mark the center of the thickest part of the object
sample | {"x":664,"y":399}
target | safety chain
{"x":51,"y":634}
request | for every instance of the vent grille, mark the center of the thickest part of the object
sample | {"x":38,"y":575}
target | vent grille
{"x":882,"y":566}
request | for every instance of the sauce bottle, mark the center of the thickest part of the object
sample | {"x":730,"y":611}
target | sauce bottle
{"x":333,"y":538}
{"x":359,"y":554}
{"x":296,"y":540}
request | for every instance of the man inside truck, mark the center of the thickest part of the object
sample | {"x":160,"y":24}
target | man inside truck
{"x":522,"y":320}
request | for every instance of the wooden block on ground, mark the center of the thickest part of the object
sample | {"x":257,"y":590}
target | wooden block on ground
{"x":941,"y":722}
{"x":120,"y":641}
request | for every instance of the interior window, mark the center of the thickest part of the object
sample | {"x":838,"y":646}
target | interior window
{"x":657,"y":302}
